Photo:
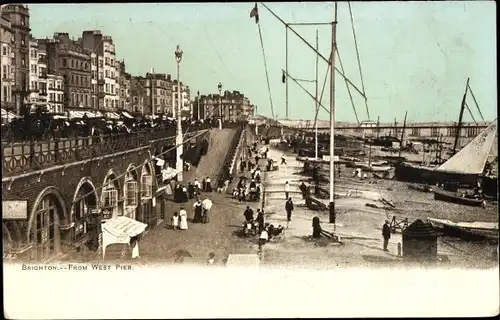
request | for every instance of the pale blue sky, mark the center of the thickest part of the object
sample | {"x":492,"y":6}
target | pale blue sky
{"x":415,"y":56}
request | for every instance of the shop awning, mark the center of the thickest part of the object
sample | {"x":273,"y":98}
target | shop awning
{"x":120,"y":230}
{"x":112,"y":115}
{"x":127,"y":115}
{"x":124,"y":226}
{"x":8,"y":115}
{"x":79,"y":114}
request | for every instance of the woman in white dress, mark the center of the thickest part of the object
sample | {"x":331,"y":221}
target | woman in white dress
{"x":183,"y":218}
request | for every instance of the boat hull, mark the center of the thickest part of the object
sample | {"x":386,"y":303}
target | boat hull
{"x":409,"y":173}
{"x":452,"y":197}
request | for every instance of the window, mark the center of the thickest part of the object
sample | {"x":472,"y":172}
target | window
{"x":52,"y":97}
{"x":85,"y":99}
{"x":23,"y":61}
{"x":4,"y":50}
{"x":415,"y":131}
{"x":131,"y":192}
{"x":72,"y":79}
{"x":23,"y":20}
{"x":64,"y":62}
{"x":107,"y":73}
{"x":434,"y":132}
{"x":451,"y":132}
{"x":146,"y":186}
{"x":113,"y":89}
{"x":107,"y":87}
{"x":110,"y":196}
{"x":4,"y":72}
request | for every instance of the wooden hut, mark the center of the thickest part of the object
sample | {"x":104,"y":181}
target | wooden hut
{"x":420,"y":242}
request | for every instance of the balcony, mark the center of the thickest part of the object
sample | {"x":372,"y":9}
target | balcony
{"x":42,"y":92}
{"x":43,"y":60}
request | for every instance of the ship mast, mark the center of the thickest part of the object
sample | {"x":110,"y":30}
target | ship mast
{"x":460,"y":118}
{"x":332,"y":120}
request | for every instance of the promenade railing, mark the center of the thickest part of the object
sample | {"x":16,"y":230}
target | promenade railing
{"x":19,"y":158}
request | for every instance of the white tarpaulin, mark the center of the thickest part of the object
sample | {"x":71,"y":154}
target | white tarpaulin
{"x":7,"y":114}
{"x":168,"y":173}
{"x":127,"y":115}
{"x":120,"y":230}
{"x":112,"y":115}
{"x":207,"y":204}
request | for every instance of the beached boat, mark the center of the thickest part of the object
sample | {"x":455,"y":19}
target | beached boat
{"x":488,"y":230}
{"x":465,"y":167}
{"x":420,"y":187}
{"x":449,"y":196}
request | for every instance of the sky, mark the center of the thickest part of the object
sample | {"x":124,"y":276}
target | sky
{"x":414,"y":56}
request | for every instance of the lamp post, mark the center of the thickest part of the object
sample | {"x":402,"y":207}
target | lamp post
{"x":198,"y":107}
{"x":178,"y":140}
{"x":220,"y":105}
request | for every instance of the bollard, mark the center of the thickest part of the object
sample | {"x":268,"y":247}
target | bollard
{"x":332,"y":215}
{"x":399,"y":249}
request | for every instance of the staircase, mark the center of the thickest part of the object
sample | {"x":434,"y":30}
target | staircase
{"x":211,"y":164}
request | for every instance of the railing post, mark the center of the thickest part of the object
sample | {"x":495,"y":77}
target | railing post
{"x":57,"y":156}
{"x":32,"y":152}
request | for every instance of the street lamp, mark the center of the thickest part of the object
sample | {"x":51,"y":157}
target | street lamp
{"x":220,"y":105}
{"x":179,"y":165}
{"x":198,"y":100}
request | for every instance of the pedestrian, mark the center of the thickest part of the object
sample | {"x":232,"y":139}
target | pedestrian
{"x":248,"y":214}
{"x":289,"y":209}
{"x":175,"y":221}
{"x":183,"y":219}
{"x":386,"y":233}
{"x":205,"y":216}
{"x":197,"y":186}
{"x":209,"y":184}
{"x":257,"y":159}
{"x":198,"y":211}
{"x":211,"y":258}
{"x":191,"y":190}
{"x":287,"y":190}
{"x":283,"y":160}
{"x":260,"y":220}
{"x":204,"y":185}
{"x":263,"y":238}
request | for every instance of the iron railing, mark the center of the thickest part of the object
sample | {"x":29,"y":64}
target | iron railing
{"x":230,"y":154}
{"x":18,"y":158}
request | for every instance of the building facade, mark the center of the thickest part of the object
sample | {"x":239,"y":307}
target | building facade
{"x":158,"y":93}
{"x":185,"y":100}
{"x":33,"y":75}
{"x":6,"y":61}
{"x":92,"y":41}
{"x":138,"y":95}
{"x":42,"y":76}
{"x":68,"y":59}
{"x":18,"y":15}
{"x":111,"y":86}
{"x":55,"y":93}
{"x":232,"y":106}
{"x":124,"y":80}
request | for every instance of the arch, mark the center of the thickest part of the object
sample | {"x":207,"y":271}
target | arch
{"x":49,"y":191}
{"x":85,"y":181}
{"x":133,"y":172}
{"x":6,"y":237}
{"x":110,"y":173}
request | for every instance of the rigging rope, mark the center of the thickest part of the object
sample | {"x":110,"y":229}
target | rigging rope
{"x":267,"y":74}
{"x":347,"y":85}
{"x":359,"y":61}
{"x":475,"y":101}
{"x":322,"y":91}
{"x":470,"y":112}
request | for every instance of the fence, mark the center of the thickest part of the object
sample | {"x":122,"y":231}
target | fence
{"x":20,"y":158}
{"x":230,"y":154}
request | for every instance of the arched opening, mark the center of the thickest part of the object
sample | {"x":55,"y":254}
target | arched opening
{"x":130,"y":193}
{"x":110,"y":196}
{"x":45,"y":220}
{"x":146,"y":215}
{"x":85,"y":207}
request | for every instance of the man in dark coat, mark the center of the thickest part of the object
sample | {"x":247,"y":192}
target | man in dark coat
{"x":248,"y":214}
{"x":386,"y":233}
{"x":289,"y":209}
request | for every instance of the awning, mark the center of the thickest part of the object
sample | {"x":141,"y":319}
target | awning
{"x":112,"y":115}
{"x":168,"y":173}
{"x":8,"y":115}
{"x":127,"y":115}
{"x":79,"y":114}
{"x":60,"y":117}
{"x":120,"y":230}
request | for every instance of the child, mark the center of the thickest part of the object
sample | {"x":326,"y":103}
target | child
{"x":175,"y":221}
{"x":211,"y":258}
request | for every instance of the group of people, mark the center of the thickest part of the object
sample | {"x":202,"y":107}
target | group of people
{"x":258,"y":226}
{"x":180,"y":220}
{"x":247,"y":191}
{"x":183,"y":193}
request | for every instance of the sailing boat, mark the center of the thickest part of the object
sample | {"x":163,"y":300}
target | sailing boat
{"x":465,"y":167}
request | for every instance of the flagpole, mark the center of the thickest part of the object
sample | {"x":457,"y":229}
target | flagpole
{"x":332,"y":122}
{"x":316,"y":101}
{"x":286,"y":68}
